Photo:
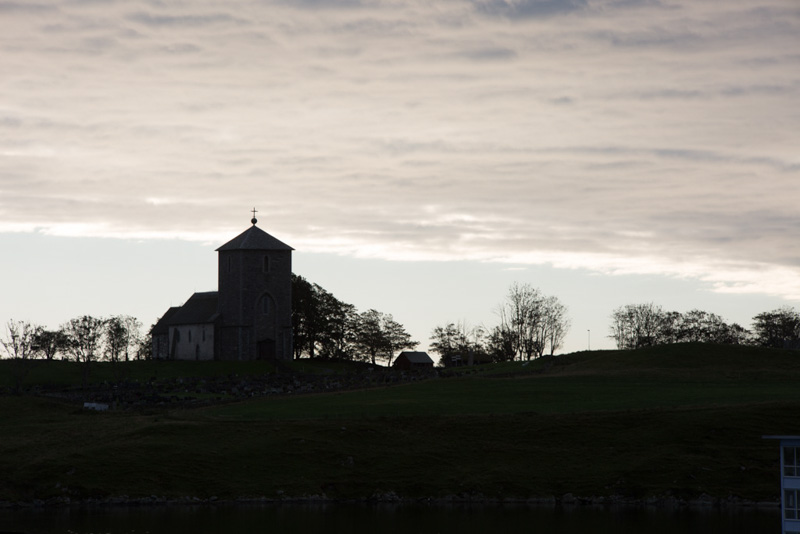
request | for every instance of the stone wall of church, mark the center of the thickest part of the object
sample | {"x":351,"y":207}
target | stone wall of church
{"x":255,"y":303}
{"x":192,"y":342}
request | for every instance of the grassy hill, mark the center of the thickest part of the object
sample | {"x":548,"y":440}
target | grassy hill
{"x":680,"y":421}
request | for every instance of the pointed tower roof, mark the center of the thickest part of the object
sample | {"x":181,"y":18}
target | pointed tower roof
{"x":254,"y":238}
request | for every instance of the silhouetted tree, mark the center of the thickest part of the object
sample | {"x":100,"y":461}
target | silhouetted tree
{"x":326,"y":326}
{"x":340,"y":338}
{"x":532,"y":321}
{"x":322,"y":323}
{"x":778,"y":328}
{"x":556,"y":324}
{"x":520,"y":316}
{"x":133,"y":328}
{"x":378,"y":335}
{"x":20,"y":346}
{"x":338,"y":322}
{"x":736,"y":335}
{"x":369,"y":334}
{"x":50,"y":342}
{"x":84,"y":340}
{"x":500,"y":345}
{"x":458,"y":344}
{"x":115,"y":339}
{"x":397,"y":338}
{"x":20,"y":340}
{"x":668,"y":328}
{"x":703,"y":327}
{"x":448,"y":342}
{"x":637,"y":325}
{"x":304,"y":316}
{"x":122,"y":337}
{"x":144,"y":350}
{"x":646,"y":325}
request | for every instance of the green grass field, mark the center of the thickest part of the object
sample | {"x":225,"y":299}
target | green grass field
{"x":680,"y":420}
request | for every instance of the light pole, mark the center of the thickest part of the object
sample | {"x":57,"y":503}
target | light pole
{"x":589,"y":339}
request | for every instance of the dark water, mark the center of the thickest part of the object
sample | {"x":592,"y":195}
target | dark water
{"x":417,"y":519}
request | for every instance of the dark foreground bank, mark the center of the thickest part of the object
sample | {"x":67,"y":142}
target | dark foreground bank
{"x":671,"y":427}
{"x":391,"y":518}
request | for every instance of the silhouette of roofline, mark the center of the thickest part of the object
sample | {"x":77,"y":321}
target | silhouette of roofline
{"x":416,"y":356}
{"x":254,"y":238}
{"x":200,"y":308}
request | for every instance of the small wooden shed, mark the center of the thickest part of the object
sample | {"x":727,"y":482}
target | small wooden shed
{"x":408,"y":360}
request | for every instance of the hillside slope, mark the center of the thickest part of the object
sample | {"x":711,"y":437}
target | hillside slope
{"x":674,"y":422}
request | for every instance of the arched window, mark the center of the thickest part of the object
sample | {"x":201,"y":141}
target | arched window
{"x":266,"y":305}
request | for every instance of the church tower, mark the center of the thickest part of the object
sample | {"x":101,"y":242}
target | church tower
{"x":255,"y":297}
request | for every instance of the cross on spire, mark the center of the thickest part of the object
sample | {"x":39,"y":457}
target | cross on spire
{"x":254,"y":220}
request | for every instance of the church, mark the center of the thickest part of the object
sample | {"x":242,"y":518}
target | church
{"x":249,"y":316}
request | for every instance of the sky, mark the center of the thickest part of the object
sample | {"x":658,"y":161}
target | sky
{"x":419,"y":156}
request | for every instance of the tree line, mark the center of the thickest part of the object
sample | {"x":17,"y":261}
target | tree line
{"x":323,"y":325}
{"x":326,"y":327}
{"x":83,"y":339}
{"x":646,"y":325}
{"x":531,"y":325}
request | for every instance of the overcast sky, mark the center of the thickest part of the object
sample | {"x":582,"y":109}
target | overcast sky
{"x":637,"y":149}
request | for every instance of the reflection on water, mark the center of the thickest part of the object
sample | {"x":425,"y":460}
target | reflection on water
{"x":404,"y":519}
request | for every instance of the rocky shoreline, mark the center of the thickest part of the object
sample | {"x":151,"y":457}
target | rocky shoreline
{"x":567,"y":500}
{"x":192,"y":392}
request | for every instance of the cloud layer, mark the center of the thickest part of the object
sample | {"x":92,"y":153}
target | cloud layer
{"x":619,"y":135}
